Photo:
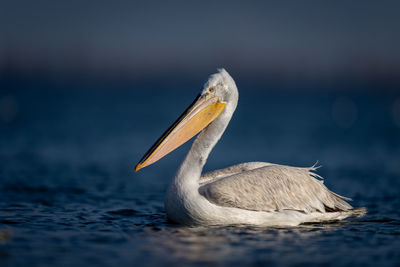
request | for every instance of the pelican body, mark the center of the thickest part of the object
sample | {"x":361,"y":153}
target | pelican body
{"x":253,"y":193}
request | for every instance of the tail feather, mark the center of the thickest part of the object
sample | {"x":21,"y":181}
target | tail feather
{"x":358,"y":212}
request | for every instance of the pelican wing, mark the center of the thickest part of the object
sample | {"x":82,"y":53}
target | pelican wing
{"x":235,"y":169}
{"x":274,"y":188}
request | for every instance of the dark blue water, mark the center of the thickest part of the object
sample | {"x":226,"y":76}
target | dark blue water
{"x":69,"y":195}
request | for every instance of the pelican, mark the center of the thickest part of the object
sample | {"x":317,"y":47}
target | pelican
{"x":253,"y":193}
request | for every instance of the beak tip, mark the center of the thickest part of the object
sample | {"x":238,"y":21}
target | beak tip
{"x":138,"y":167}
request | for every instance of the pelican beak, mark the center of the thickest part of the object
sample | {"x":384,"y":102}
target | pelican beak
{"x":195,"y":118}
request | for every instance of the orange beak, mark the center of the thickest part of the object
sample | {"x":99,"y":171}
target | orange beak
{"x":196,"y":117}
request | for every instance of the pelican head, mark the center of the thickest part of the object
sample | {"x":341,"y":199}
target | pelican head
{"x":222,"y":85}
{"x":218,"y":96}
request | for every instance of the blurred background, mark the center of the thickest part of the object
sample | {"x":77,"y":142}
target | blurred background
{"x":86,"y":87}
{"x":282,"y":41}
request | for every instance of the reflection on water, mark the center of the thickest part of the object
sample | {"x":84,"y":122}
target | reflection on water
{"x":248,"y":245}
{"x":213,"y":244}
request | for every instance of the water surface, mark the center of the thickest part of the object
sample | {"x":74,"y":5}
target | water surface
{"x":69,"y":194}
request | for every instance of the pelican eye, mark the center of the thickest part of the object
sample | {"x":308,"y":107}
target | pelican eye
{"x":211,"y":89}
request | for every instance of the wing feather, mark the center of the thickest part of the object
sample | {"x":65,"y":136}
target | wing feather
{"x":239,"y":168}
{"x":274,"y":188}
